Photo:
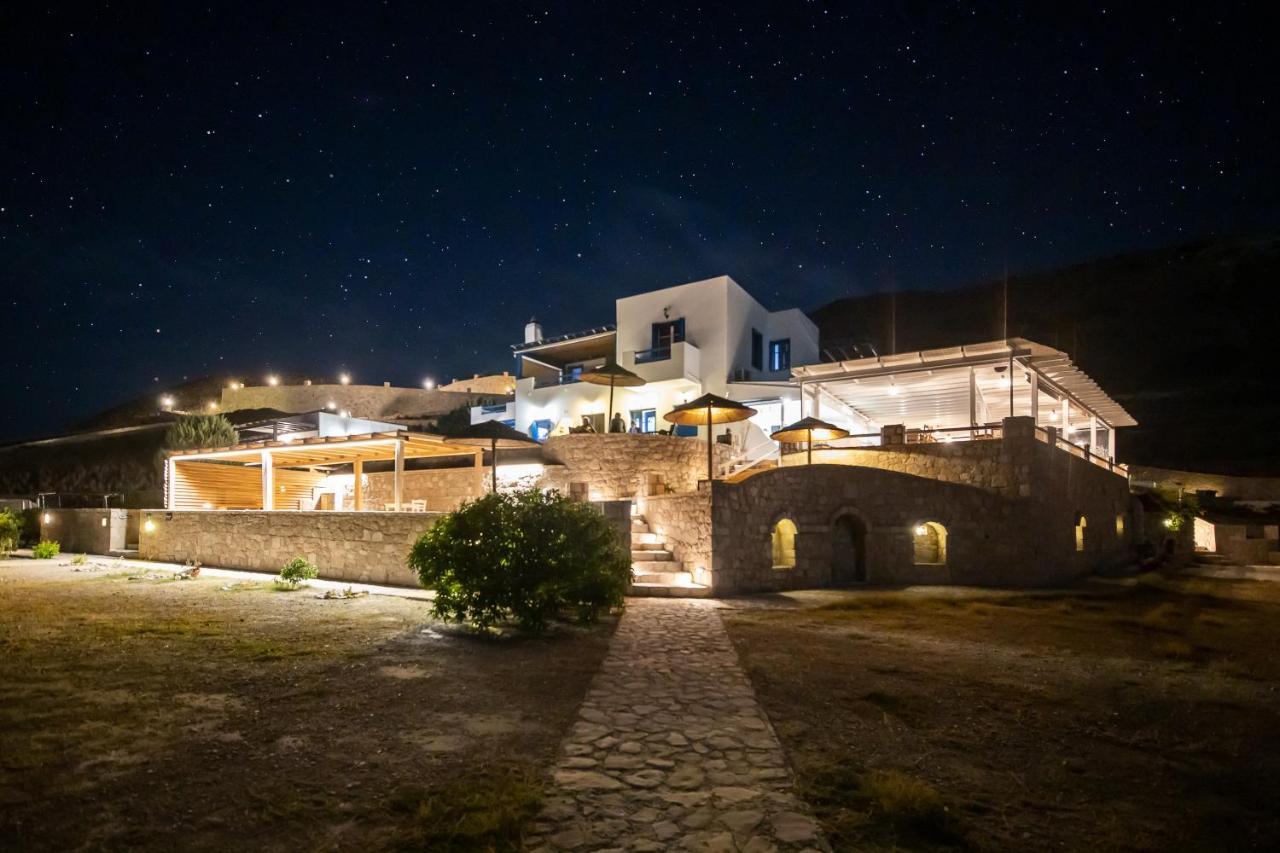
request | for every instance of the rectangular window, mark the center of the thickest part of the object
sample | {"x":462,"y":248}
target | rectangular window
{"x":780,"y":354}
{"x":757,"y":350}
{"x":644,"y":420}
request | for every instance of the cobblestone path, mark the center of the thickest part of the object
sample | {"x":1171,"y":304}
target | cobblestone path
{"x":671,"y":751}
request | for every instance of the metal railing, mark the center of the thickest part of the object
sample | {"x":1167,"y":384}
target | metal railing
{"x":1055,"y":439}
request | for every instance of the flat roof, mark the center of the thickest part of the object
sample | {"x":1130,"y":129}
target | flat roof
{"x":332,"y":450}
{"x":882,"y":372}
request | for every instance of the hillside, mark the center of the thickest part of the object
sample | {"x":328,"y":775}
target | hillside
{"x":1181,"y":337}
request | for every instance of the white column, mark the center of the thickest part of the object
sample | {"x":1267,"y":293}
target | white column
{"x":1066,"y":418}
{"x":357,"y":492}
{"x":170,"y":470}
{"x":1035,"y":398}
{"x":1093,"y":433}
{"x":973,"y":397}
{"x":398,"y":476}
{"x":268,"y":482}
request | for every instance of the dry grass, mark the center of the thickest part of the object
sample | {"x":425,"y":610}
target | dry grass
{"x":179,"y":715}
{"x":1137,"y":717}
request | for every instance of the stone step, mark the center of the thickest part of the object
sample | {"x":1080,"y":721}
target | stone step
{"x":657,"y":590}
{"x":645,"y":539}
{"x":1273,"y":557}
{"x":640,"y":567}
{"x":648,"y":546}
{"x":639,"y":527}
{"x":667,"y":578}
{"x":650,"y":556}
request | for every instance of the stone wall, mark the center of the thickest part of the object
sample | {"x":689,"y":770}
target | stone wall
{"x":85,"y":531}
{"x":617,"y":466}
{"x":985,"y":464}
{"x":363,"y":547}
{"x":362,"y":401}
{"x":444,"y":489}
{"x":1010,"y":521}
{"x":684,"y":522}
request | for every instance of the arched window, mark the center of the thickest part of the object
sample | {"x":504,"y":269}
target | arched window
{"x":1081,"y":524}
{"x":929,"y":539}
{"x":784,"y":544}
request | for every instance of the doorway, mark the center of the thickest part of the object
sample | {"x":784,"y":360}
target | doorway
{"x":848,"y":550}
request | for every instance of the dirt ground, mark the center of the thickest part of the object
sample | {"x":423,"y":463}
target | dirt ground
{"x":1141,"y":716}
{"x":203,"y":715}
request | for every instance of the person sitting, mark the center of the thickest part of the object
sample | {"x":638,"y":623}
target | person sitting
{"x":586,"y":425}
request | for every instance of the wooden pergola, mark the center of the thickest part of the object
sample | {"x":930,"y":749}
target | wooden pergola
{"x":267,"y":474}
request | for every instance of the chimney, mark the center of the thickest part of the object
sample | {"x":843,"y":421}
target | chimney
{"x":532,"y":330}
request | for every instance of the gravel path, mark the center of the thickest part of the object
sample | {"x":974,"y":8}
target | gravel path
{"x":671,"y":749}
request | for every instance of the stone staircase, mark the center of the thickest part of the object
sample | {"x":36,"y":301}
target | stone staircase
{"x":1214,"y":565}
{"x":654,"y":569}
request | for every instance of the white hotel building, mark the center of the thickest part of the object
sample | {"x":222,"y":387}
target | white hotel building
{"x":708,"y":336}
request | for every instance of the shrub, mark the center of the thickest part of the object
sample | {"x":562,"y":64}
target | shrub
{"x":296,"y":571}
{"x":46,"y":549}
{"x":193,"y":432}
{"x":526,"y":557}
{"x":10,"y":532}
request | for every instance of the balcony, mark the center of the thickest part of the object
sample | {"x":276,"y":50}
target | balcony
{"x":680,"y":360}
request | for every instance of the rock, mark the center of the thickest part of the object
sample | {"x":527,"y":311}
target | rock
{"x":585,"y":780}
{"x":793,"y":827}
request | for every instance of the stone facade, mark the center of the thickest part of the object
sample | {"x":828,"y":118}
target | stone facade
{"x":444,"y":489}
{"x":86,"y":531}
{"x":683,"y":522}
{"x":1010,"y":521}
{"x":363,"y":547}
{"x":618,"y":466}
{"x":362,"y":401}
{"x":502,"y":384}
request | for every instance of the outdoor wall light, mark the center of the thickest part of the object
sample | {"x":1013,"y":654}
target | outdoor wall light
{"x":921,"y":530}
{"x":166,"y":401}
{"x":149,"y":526}
{"x":213,"y":406}
{"x":273,"y":380}
{"x":345,"y":378}
{"x":428,"y":383}
{"x":47,"y":518}
{"x":331,"y":405}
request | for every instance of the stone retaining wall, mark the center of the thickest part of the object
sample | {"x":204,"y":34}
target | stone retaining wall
{"x":362,"y":401}
{"x":617,"y":466}
{"x":684,"y":522}
{"x":985,"y":464}
{"x":363,"y":547}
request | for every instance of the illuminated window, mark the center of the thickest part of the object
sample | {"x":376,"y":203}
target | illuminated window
{"x":784,"y":544}
{"x":929,"y":543}
{"x":1120,"y":526}
{"x":1081,"y":524}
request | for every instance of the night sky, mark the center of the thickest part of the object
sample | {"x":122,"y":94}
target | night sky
{"x":393,"y":189}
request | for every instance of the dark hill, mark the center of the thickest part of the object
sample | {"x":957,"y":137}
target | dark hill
{"x":1182,"y":337}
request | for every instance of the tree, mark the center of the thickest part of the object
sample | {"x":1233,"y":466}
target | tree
{"x":453,"y":422}
{"x":526,"y":557}
{"x":194,"y":432}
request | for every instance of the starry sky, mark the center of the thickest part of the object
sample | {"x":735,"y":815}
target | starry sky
{"x":392,"y":189}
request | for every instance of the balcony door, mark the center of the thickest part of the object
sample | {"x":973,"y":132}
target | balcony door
{"x":667,"y":333}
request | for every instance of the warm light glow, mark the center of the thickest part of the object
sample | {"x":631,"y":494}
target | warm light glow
{"x":1168,"y":522}
{"x":344,"y":413}
{"x":234,"y":385}
{"x":47,"y":518}
{"x":149,"y":526}
{"x":344,"y":378}
{"x":273,"y":380}
{"x":921,"y":530}
{"x":1053,"y":416}
{"x":206,"y":505}
{"x":166,"y":401}
{"x":428,"y":383}
{"x":894,"y":390}
{"x":213,"y":405}
{"x":331,"y":405}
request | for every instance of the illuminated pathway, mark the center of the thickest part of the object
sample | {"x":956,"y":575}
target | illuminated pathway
{"x":671,"y":749}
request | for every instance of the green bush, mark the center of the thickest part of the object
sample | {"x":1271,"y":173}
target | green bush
{"x":525,"y":557}
{"x":297,"y":570}
{"x":10,"y":531}
{"x":195,"y":432}
{"x":46,"y":549}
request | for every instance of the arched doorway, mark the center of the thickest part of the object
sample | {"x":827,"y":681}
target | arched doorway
{"x":848,"y":550}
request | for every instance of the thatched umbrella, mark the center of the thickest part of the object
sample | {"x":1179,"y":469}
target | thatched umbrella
{"x":807,"y":429}
{"x":709,"y":409}
{"x":613,"y":375}
{"x":491,"y":434}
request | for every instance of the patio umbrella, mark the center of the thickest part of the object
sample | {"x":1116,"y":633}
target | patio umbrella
{"x":807,"y":429}
{"x":613,"y":375}
{"x":491,"y":434}
{"x":709,"y":409}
